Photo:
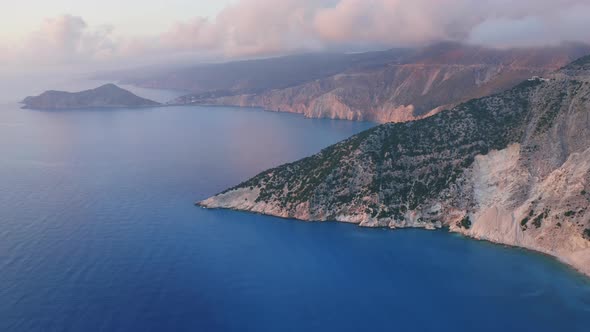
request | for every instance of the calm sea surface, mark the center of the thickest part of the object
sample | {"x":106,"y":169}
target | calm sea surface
{"x":98,"y":232}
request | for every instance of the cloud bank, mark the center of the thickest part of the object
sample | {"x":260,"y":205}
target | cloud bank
{"x":251,"y":28}
{"x":260,"y":27}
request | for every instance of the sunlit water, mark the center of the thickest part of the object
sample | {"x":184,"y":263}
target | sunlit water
{"x":98,"y":232}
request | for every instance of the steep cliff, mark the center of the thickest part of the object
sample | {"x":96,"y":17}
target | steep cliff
{"x":512,"y":168}
{"x":401,"y":86}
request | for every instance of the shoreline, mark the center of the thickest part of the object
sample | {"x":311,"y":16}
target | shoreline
{"x":559,"y":259}
{"x":163,"y":105}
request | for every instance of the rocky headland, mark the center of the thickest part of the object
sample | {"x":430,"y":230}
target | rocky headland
{"x":511,"y":168}
{"x":390,"y":86}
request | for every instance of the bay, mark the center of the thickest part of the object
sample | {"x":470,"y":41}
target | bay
{"x":99,"y":232}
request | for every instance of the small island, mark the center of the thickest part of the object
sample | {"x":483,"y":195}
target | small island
{"x":105,"y":96}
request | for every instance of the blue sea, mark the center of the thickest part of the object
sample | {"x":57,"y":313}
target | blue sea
{"x":99,"y":232}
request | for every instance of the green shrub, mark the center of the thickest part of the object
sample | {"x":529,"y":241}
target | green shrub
{"x":539,"y":219}
{"x":524,"y":221}
{"x":465,"y":222}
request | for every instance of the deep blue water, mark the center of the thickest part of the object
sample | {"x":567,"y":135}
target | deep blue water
{"x":98,"y":232}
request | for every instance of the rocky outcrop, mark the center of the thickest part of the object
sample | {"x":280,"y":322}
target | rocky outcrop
{"x":412,"y":85}
{"x":106,"y":96}
{"x":512,"y":168}
{"x":397,"y":93}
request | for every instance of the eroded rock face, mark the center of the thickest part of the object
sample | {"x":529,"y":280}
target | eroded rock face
{"x":407,"y":87}
{"x":398,"y":93}
{"x":512,"y":168}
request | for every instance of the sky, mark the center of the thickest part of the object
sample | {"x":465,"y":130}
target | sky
{"x":130,"y":17}
{"x":110,"y":33}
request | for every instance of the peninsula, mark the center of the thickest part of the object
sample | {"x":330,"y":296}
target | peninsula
{"x":511,"y":168}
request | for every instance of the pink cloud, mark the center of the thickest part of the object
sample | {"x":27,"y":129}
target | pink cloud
{"x":65,"y":39}
{"x":249,"y":28}
{"x":263,"y":27}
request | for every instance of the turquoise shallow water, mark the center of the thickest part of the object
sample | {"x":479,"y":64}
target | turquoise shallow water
{"x":98,"y":232}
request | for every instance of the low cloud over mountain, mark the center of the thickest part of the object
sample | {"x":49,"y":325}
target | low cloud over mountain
{"x":252,"y":28}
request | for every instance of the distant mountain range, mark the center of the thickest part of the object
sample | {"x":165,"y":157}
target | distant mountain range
{"x":395,"y":85}
{"x":511,"y":168}
{"x":105,"y":96}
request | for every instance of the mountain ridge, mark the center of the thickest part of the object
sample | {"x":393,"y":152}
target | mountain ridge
{"x":388,"y":86}
{"x":511,"y":168}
